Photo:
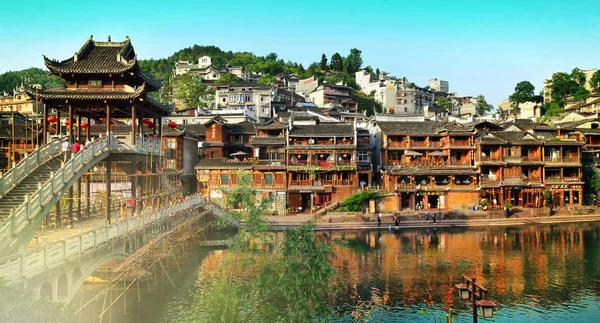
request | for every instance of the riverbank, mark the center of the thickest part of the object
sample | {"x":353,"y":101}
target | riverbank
{"x":324,"y":224}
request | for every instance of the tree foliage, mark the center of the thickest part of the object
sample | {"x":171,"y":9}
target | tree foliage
{"x":323,"y":62}
{"x":191,"y":92}
{"x":353,"y":61}
{"x":13,"y":79}
{"x":266,"y":79}
{"x":356,"y":201}
{"x":524,"y":92}
{"x":443,"y":102}
{"x":266,"y":277}
{"x":18,"y":305}
{"x":595,"y":81}
{"x":482,"y":106}
{"x":337,"y":62}
{"x":227,"y":78}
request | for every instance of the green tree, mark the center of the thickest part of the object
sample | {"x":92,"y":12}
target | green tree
{"x":443,"y":102}
{"x":266,"y":79}
{"x":191,"y":92}
{"x":227,"y":78}
{"x":551,"y":109}
{"x":337,"y":62}
{"x":595,"y":81}
{"x":323,"y":62}
{"x":13,"y":79}
{"x":18,"y":305}
{"x":377,"y":72}
{"x":353,"y":61}
{"x":300,"y":70}
{"x":265,"y":277}
{"x":482,"y":106}
{"x":524,"y":92}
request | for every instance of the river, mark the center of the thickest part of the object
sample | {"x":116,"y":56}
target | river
{"x":536,"y":273}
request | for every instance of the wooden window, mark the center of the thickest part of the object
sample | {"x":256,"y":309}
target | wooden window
{"x":224,"y":179}
{"x":268,"y":179}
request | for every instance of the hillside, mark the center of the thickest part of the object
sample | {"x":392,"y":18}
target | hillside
{"x":339,"y":68}
{"x":12,"y":79}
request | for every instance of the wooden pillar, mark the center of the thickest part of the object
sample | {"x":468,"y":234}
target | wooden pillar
{"x":107,"y":120}
{"x":79,"y":130}
{"x":79,"y":195}
{"x":88,"y":194}
{"x":58,"y":125}
{"x":87,"y":130}
{"x":571,"y":196}
{"x":580,"y":202}
{"x":57,"y":215}
{"x":70,"y":206}
{"x":159,"y":133}
{"x":134,"y":187}
{"x":44,"y":125}
{"x":70,"y":128}
{"x":108,"y":189}
{"x":133,"y":130}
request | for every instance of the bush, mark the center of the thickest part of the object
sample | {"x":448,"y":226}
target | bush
{"x":507,"y":205}
{"x":355,"y":202}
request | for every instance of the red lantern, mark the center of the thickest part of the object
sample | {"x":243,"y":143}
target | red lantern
{"x":52,"y":119}
{"x":67,"y":122}
{"x":150,"y":125}
{"x":84,"y":125}
{"x":147,"y":121}
{"x":172,"y":124}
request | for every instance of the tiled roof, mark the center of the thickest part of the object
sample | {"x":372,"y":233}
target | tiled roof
{"x":323,"y":130}
{"x":514,"y":182}
{"x":197,"y":129}
{"x":89,"y":94}
{"x":267,"y":141}
{"x":219,"y":163}
{"x":241,"y":128}
{"x":516,"y":137}
{"x":407,"y":127}
{"x":271,"y":124}
{"x":97,"y":57}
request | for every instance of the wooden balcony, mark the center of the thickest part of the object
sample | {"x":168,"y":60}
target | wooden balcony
{"x":493,"y":158}
{"x":558,"y":179}
{"x":270,"y":164}
{"x":459,"y":143}
{"x":460,"y":162}
{"x":489,"y":179}
{"x":561,"y":160}
{"x":531,"y":158}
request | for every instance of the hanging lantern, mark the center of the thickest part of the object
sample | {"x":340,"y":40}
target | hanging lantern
{"x":52,"y":119}
{"x":84,"y":125}
{"x":345,"y":155}
{"x":299,"y":156}
{"x":322,"y":156}
{"x":150,"y":124}
{"x":172,"y":124}
{"x":147,"y":121}
{"x":67,"y":122}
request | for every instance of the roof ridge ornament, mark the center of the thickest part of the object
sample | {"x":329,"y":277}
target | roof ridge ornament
{"x":109,"y":38}
{"x":75,"y":57}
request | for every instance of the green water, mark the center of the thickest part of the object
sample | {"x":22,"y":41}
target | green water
{"x":536,"y":273}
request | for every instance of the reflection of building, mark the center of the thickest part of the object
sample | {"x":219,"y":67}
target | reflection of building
{"x":429,"y":164}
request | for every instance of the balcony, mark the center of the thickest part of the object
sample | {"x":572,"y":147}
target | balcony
{"x":460,"y":162}
{"x":270,"y":164}
{"x":489,"y":179}
{"x":531,"y":158}
{"x":562,"y":160}
{"x":397,"y":144}
{"x":493,"y":158}
{"x":558,"y":179}
{"x":533,"y":178}
{"x":571,"y":179}
{"x":459,"y":143}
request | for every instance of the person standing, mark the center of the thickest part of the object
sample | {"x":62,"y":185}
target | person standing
{"x":379,"y":219}
{"x":427,"y":217}
{"x":434,"y":217}
{"x":64,"y":147}
{"x":75,"y":149}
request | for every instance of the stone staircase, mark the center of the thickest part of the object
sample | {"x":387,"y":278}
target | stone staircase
{"x":15,"y":197}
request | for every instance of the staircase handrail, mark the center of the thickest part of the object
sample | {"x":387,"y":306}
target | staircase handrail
{"x":34,"y":203}
{"x":33,"y":261}
{"x":16,"y":174}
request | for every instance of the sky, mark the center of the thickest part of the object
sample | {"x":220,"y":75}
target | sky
{"x":480,"y":47}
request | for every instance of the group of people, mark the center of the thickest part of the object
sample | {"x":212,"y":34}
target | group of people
{"x":433,"y":217}
{"x":396,"y":219}
{"x":74,"y":148}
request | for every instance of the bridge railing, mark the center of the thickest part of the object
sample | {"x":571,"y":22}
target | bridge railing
{"x":16,"y":174}
{"x":34,"y":261}
{"x":35,"y":202}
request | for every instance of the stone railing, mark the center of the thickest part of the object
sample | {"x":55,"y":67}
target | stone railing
{"x":32,"y":262}
{"x":16,"y":174}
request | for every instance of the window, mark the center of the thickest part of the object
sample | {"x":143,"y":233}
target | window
{"x":274,"y":156}
{"x":264,"y":98}
{"x":268,"y":179}
{"x":171,"y":143}
{"x":203,"y":184}
{"x":212,"y":154}
{"x":224,"y":179}
{"x":95,"y":83}
{"x":363,"y":156}
{"x":204,"y":60}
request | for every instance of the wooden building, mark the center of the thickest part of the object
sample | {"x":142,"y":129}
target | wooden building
{"x":429,"y":165}
{"x":322,"y":166}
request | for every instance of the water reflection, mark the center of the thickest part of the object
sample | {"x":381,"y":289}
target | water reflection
{"x":538,"y":268}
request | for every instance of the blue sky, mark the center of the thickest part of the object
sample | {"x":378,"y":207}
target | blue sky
{"x":480,"y":47}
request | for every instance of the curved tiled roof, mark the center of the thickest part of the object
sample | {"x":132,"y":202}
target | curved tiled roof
{"x":62,"y":92}
{"x":97,"y":57}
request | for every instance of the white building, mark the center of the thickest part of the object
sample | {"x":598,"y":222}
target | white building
{"x":251,"y":97}
{"x":439,"y":86}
